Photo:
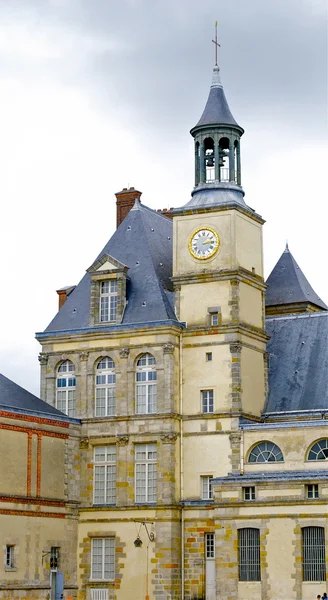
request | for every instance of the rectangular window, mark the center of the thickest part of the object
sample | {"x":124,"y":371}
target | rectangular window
{"x":207,"y":401}
{"x":103,"y":558}
{"x":209,"y":545}
{"x":249,"y":493}
{"x":312,"y":491}
{"x":10,"y":557}
{"x":207,"y":492}
{"x":214,"y":319}
{"x":313,"y":554}
{"x":208,"y":356}
{"x":249,"y":554}
{"x":108,"y":300}
{"x":104,"y":475}
{"x":145,"y":472}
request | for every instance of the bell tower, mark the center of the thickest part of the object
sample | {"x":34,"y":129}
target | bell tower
{"x":218,"y":268}
{"x":217,"y":139}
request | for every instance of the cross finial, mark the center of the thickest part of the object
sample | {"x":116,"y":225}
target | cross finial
{"x":217,"y":45}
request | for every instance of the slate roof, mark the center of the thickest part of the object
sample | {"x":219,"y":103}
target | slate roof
{"x":143,"y":242}
{"x":217,"y":111}
{"x":287,"y":284}
{"x":273,"y":476}
{"x":13,"y":396}
{"x":298,"y":362}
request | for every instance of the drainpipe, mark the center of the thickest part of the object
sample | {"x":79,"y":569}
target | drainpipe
{"x":242,"y":451}
{"x":181,"y":472}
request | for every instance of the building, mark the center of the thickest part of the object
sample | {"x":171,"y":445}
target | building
{"x":202,"y":395}
{"x":39,"y":496}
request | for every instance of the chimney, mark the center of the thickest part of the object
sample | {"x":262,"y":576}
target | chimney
{"x":124,"y":202}
{"x":63,"y":294}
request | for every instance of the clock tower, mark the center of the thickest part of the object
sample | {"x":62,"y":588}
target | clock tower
{"x":218,"y":271}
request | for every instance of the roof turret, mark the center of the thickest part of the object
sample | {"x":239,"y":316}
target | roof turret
{"x":288,"y":289}
{"x":217,"y":111}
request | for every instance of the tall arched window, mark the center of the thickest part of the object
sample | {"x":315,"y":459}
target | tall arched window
{"x":146,"y":377}
{"x":66,"y":388}
{"x":265,"y":452}
{"x":105,"y":388}
{"x":319,"y":450}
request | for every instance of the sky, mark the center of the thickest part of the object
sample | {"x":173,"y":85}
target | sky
{"x":98,"y":95}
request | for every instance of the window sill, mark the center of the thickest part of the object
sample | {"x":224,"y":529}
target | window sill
{"x":11,"y":569}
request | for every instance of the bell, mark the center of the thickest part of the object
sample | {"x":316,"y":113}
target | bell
{"x":210,"y":162}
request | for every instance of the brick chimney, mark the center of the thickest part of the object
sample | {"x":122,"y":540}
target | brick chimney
{"x":63,"y":294}
{"x":124,"y":202}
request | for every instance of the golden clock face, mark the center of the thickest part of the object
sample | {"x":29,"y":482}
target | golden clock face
{"x":204,"y":243}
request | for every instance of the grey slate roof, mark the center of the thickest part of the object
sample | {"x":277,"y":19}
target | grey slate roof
{"x":273,"y":476}
{"x":143,"y":242}
{"x":217,"y":110}
{"x":287,"y":284}
{"x":13,"y":396}
{"x":298,"y":362}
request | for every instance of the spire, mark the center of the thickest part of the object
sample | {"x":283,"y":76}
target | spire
{"x":288,"y":289}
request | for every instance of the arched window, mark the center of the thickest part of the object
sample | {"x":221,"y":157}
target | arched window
{"x":313,"y":554}
{"x":319,"y":450}
{"x":146,"y":377}
{"x":66,"y":388}
{"x":105,"y":388}
{"x":224,"y":162}
{"x":209,"y":159}
{"x":265,"y":452}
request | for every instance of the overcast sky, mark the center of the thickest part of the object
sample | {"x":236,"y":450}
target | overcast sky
{"x":97,"y":95}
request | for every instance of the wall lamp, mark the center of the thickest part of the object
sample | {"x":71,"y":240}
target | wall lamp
{"x":138,"y":541}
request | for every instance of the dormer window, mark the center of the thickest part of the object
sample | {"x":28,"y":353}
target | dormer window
{"x":107,"y":291}
{"x":108,"y":300}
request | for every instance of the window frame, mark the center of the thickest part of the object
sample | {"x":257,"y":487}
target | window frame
{"x":318,"y":442}
{"x":107,"y":466}
{"x":249,"y":556}
{"x":10,"y":557}
{"x":108,"y":387}
{"x":209,"y":543}
{"x":69,"y":403}
{"x":205,"y":483}
{"x":313,"y":567}
{"x":111,"y":296}
{"x":207,"y":402}
{"x":312,"y":491}
{"x":214,"y":319}
{"x":150,"y":474}
{"x":146,"y":401}
{"x":111,"y":563}
{"x":261,"y":452}
{"x":249,"y":490}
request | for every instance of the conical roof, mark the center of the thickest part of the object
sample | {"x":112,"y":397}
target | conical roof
{"x":217,"y":111}
{"x":287,"y":284}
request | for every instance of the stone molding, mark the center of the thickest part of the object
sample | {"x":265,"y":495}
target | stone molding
{"x":124,"y":352}
{"x":84,"y":443}
{"x":168,"y":348}
{"x":43,"y":358}
{"x":84,"y":356}
{"x":169,"y":438}
{"x":122,"y":440}
{"x":235,"y":347}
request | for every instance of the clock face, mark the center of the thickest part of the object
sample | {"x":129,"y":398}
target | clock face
{"x":204,"y":243}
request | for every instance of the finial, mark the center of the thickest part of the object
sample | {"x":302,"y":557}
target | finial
{"x":217,"y":45}
{"x":286,"y":249}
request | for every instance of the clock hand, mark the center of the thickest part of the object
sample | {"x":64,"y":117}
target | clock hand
{"x":207,"y":242}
